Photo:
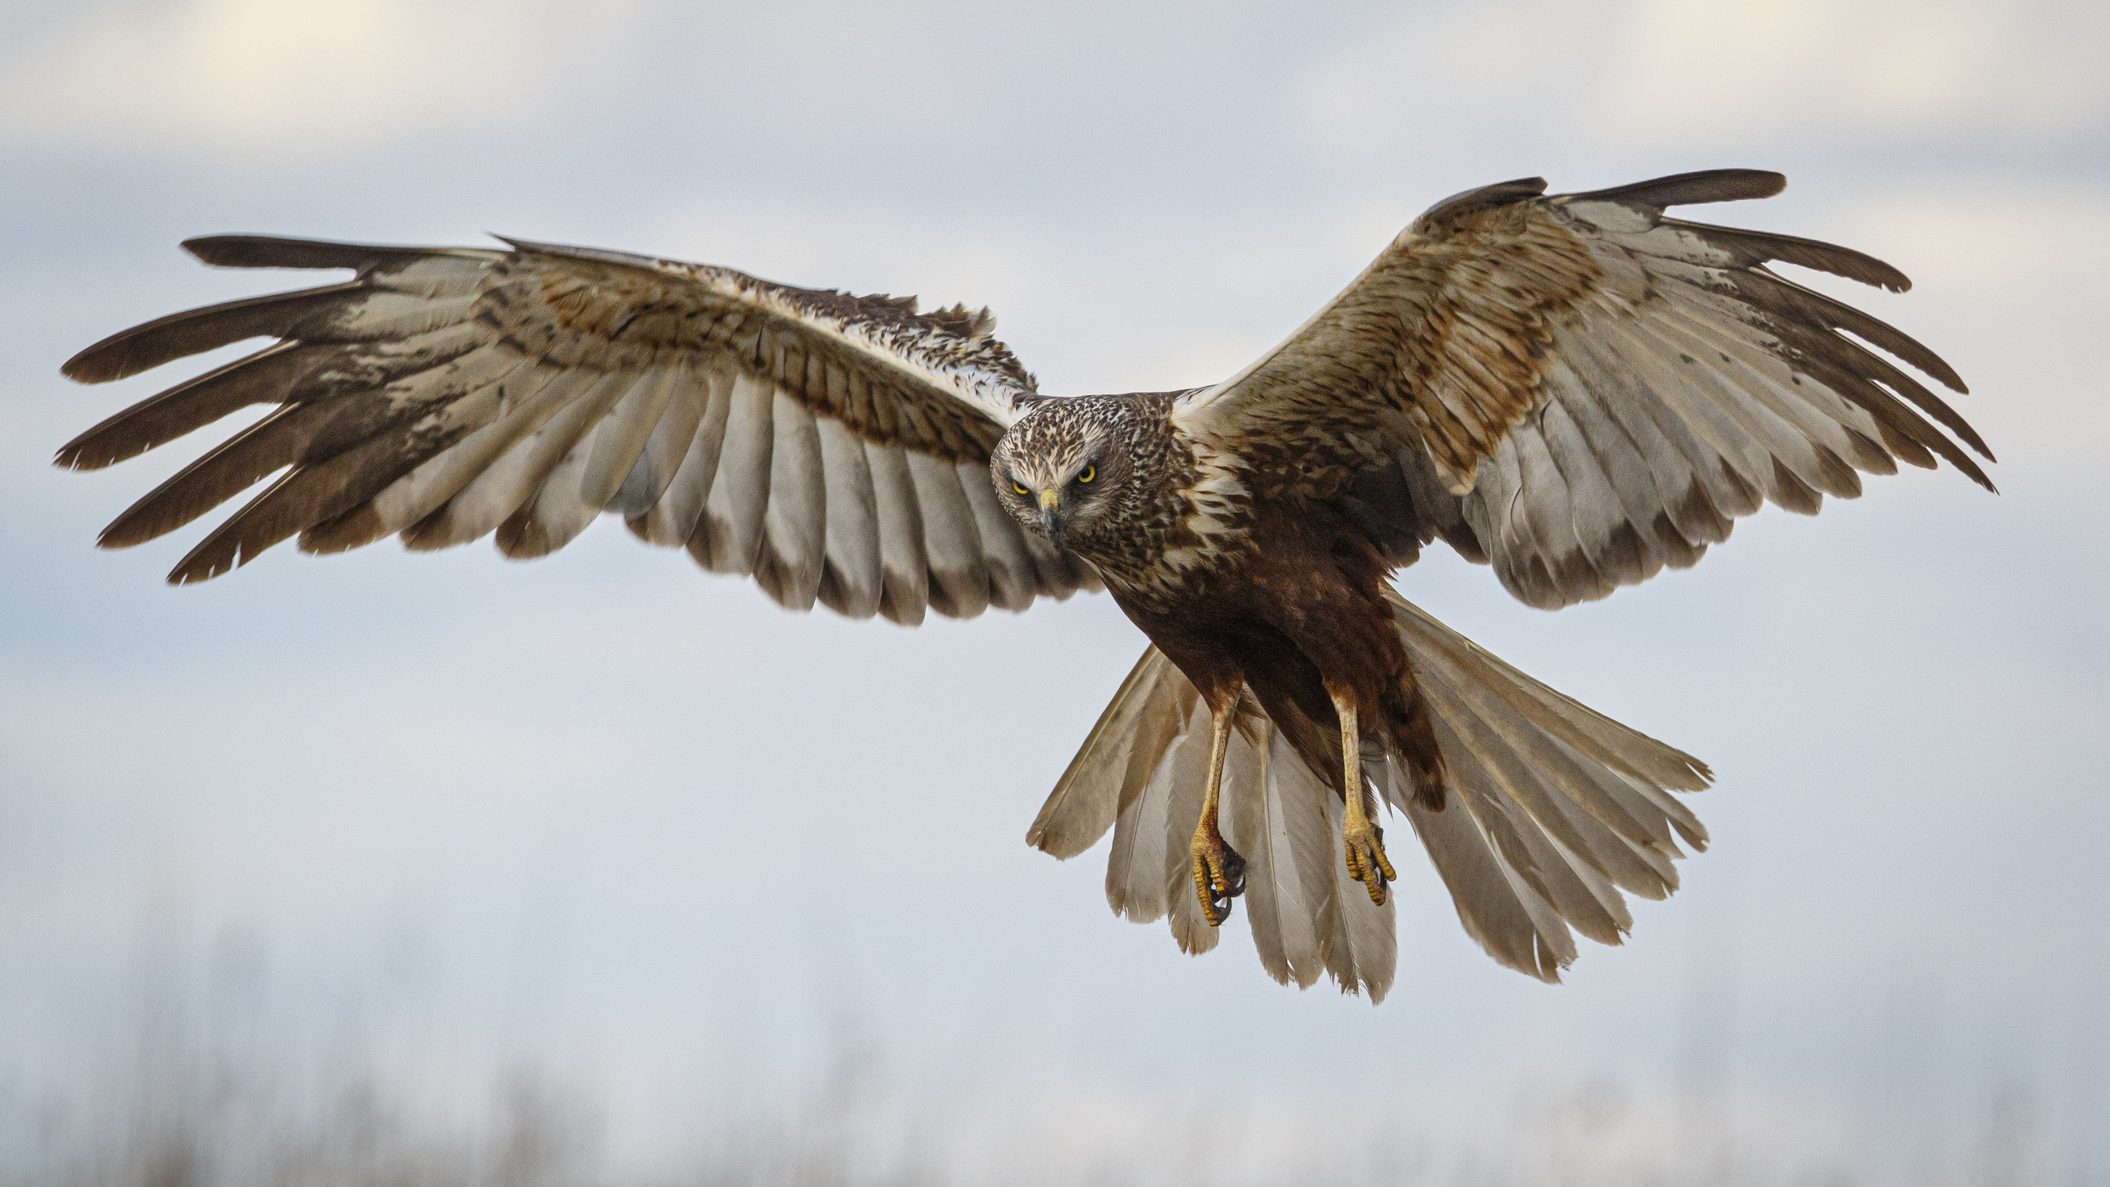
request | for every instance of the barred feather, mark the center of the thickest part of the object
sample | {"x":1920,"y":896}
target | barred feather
{"x":447,"y":394}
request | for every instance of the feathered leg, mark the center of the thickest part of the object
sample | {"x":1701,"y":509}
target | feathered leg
{"x":1219,"y":871}
{"x":1361,"y":838}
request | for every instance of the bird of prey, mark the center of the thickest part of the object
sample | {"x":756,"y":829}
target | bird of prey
{"x":1577,"y":389}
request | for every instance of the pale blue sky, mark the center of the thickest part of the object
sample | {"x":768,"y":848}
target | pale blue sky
{"x":541,"y":811}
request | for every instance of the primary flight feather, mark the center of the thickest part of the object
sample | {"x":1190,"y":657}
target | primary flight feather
{"x":1578,"y":389}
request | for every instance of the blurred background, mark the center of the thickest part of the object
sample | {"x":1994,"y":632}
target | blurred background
{"x":443,"y":869}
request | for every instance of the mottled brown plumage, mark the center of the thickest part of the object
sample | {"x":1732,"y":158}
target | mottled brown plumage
{"x":1577,"y":389}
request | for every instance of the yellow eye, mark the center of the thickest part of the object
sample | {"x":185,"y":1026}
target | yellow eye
{"x":1020,"y":487}
{"x":1085,"y":475}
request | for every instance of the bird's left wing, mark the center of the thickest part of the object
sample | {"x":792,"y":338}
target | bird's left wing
{"x":1582,"y":389}
{"x":834,"y":447}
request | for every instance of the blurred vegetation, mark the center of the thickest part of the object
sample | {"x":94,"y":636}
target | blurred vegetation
{"x":192,"y":1092}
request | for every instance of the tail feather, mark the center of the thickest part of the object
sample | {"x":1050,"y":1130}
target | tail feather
{"x":1136,"y":881}
{"x":1187,"y":775}
{"x":1116,"y":757}
{"x":1599,"y":849}
{"x":1501,"y":909}
{"x":1288,"y":856}
{"x":1567,"y":792}
{"x":1555,"y":810}
{"x":1560,"y":801}
{"x":1362,"y":941}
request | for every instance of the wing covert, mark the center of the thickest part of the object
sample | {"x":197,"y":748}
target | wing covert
{"x":833,"y":446}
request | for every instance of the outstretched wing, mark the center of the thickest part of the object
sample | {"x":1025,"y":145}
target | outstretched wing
{"x":1582,"y":389}
{"x":834,"y":447}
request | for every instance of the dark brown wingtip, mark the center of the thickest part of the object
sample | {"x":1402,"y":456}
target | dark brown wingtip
{"x":195,"y":331}
{"x":1688,"y":189}
{"x":1809,"y":253}
{"x":216,"y":555}
{"x":102,"y":362}
{"x":222,"y":251}
{"x":1979,"y":476}
{"x":1735,"y":185}
{"x":1482,"y":198}
{"x":77,"y":455}
{"x":280,"y":251}
{"x":113,"y":539}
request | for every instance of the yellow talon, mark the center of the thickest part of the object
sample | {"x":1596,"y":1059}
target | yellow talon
{"x":1364,"y":848}
{"x":1219,"y":875}
{"x":1358,"y":832}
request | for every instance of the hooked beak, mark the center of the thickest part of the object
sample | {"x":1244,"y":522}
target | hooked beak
{"x":1050,"y":517}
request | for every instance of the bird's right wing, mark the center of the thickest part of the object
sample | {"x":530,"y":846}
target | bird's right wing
{"x":834,"y":447}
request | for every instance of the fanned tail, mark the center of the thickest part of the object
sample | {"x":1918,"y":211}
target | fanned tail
{"x":1555,"y":810}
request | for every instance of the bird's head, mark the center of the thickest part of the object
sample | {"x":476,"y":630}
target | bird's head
{"x":1067,"y":468}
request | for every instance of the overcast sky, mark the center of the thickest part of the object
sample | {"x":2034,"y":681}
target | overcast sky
{"x":542,"y":811}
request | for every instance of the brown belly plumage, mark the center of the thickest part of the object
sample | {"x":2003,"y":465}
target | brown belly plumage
{"x":1295,"y":619}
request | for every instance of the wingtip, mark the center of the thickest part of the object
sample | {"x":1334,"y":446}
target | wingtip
{"x":1771,"y":180}
{"x":126,"y":532}
{"x":1736,"y":184}
{"x":206,"y":249}
{"x":81,"y":369}
{"x":1884,"y":276}
{"x":286,"y":251}
{"x":71,"y":456}
{"x":191,"y":572}
{"x":101,"y":362}
{"x":237,"y":250}
{"x":1695,"y":188}
{"x":1480,"y":198}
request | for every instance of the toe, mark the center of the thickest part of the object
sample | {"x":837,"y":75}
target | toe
{"x":1367,"y":864}
{"x":1376,"y":887}
{"x":1215,"y":906}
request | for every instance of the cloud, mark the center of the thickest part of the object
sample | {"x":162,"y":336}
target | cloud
{"x":922,"y":86}
{"x":1680,"y":72}
{"x":1891,"y":66}
{"x":244,"y":74}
